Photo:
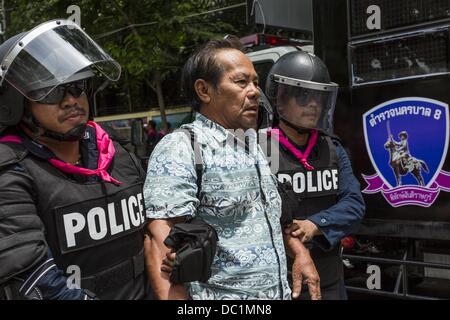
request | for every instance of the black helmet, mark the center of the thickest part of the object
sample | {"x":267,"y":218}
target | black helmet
{"x":301,"y":92}
{"x":34,"y":63}
{"x":11,"y":100}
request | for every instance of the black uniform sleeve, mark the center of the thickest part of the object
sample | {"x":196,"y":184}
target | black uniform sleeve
{"x":22,"y":241}
{"x":26,"y":263}
{"x":345,"y":216}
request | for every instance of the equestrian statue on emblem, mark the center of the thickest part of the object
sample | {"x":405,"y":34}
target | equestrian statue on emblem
{"x":400,"y":158}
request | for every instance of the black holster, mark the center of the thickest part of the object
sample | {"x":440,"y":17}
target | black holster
{"x":195,"y":243}
{"x":289,"y":203}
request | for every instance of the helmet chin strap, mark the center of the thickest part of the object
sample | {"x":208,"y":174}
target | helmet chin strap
{"x":299,"y":130}
{"x":33,"y":124}
{"x":74,"y":134}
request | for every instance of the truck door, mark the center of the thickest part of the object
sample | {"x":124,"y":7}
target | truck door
{"x":391,"y":60}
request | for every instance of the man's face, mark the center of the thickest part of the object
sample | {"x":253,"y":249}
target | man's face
{"x":63,"y":116}
{"x":302,"y":109}
{"x":235,"y":101}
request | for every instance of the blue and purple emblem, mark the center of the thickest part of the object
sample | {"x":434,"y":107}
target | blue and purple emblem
{"x":407,"y":141}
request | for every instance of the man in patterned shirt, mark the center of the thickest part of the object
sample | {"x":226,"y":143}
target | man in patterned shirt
{"x":238,"y":194}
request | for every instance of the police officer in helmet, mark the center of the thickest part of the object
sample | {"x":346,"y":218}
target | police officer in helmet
{"x":70,"y":198}
{"x":314,"y":162}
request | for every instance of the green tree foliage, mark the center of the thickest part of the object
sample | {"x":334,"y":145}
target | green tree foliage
{"x":151,"y":39}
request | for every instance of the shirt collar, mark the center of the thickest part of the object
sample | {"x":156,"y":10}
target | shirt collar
{"x":217,"y":131}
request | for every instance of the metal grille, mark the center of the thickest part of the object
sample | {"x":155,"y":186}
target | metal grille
{"x":419,"y":55}
{"x":397,"y":13}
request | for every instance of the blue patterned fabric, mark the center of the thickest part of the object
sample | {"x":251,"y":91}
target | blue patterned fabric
{"x":250,"y":262}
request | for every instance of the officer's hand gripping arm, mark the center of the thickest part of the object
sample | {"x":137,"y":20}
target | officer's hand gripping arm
{"x":303,"y":269}
{"x":155,"y":253}
{"x":345,"y":216}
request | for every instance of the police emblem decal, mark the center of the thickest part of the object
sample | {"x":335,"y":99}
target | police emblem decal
{"x":407,"y":142}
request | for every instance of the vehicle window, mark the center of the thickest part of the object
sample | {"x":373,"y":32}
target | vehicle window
{"x":424,"y":54}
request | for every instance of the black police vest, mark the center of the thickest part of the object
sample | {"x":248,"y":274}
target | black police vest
{"x":316,"y":190}
{"x":95,"y":229}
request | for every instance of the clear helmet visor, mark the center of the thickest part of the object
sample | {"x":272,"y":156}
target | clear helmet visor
{"x":307,"y":105}
{"x":265,"y":113}
{"x":51,"y":54}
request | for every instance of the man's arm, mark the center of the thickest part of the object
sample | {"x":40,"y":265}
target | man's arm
{"x":396,"y":143}
{"x":303,"y":268}
{"x":170,"y":193}
{"x":155,"y":253}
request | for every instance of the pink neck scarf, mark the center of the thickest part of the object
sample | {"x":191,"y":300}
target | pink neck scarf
{"x":106,"y":152}
{"x":302,"y":157}
{"x":11,"y":138}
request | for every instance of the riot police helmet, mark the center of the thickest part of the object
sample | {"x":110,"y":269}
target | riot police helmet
{"x":301,"y":92}
{"x":35,"y":64}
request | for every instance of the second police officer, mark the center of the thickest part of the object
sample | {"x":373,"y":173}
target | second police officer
{"x":314,"y":162}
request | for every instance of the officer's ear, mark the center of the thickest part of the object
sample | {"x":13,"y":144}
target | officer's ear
{"x":203,"y":90}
